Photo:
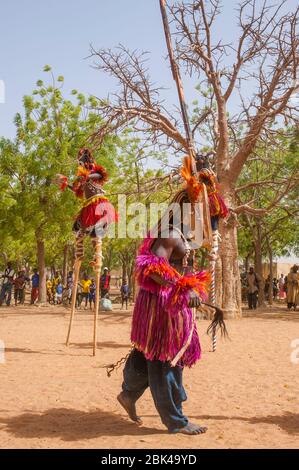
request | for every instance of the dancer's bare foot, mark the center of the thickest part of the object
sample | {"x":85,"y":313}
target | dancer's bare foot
{"x":130,"y":408}
{"x":192,"y":429}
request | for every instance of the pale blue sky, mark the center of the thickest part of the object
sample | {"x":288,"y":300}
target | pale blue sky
{"x":58,"y":32}
{"x":34,"y":33}
{"x":38,"y":32}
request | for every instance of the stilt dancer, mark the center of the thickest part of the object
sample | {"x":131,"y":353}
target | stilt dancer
{"x":210,"y":240}
{"x":93,"y":220}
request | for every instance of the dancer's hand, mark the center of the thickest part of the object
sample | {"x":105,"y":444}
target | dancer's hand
{"x":194,"y":299}
{"x":61,"y":181}
{"x":58,"y":179}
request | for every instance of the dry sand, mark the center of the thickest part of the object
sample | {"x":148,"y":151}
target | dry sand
{"x":57,"y":397}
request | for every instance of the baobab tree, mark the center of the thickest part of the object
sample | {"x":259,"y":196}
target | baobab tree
{"x":263,"y":57}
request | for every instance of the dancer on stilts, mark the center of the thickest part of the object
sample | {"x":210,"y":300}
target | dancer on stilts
{"x":93,"y":220}
{"x":211,"y":226}
{"x":164,"y":332}
{"x":218,"y":210}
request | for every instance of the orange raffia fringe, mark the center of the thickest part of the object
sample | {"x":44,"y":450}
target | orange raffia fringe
{"x":198,"y":282}
{"x":83,"y":172}
{"x":164,"y":270}
{"x":103,"y":172}
{"x":192,"y":185}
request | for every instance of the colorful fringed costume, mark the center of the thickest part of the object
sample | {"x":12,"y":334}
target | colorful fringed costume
{"x":164,"y":331}
{"x":217,"y":206}
{"x":96,"y":208}
{"x":163,"y":326}
{"x":93,"y":220}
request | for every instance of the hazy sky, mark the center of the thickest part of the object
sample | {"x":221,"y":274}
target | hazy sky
{"x":55,"y":32}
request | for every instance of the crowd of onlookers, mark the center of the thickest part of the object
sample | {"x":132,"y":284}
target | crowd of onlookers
{"x":279,"y":287}
{"x":283,"y":288}
{"x":15,"y":284}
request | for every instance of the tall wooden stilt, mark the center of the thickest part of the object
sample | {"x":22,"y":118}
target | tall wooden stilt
{"x":214,"y":256}
{"x":77,"y":266}
{"x":97,"y":269}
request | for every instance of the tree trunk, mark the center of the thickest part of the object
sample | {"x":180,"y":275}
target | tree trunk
{"x":131,"y":279}
{"x":259,"y":263}
{"x":42,"y":292}
{"x":246,"y":263}
{"x":124,"y":269}
{"x":228,"y":283}
{"x":72,"y":256}
{"x":270,"y":252}
{"x":65,"y":264}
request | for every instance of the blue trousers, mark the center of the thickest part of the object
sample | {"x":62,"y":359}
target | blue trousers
{"x":165,"y":384}
{"x":6,"y":292}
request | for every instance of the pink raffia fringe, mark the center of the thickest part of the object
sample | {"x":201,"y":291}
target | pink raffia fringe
{"x":162,"y":321}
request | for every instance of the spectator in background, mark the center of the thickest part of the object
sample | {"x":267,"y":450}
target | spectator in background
{"x":293,"y":288}
{"x":55,"y":281}
{"x":92,"y":293}
{"x":19,"y":283}
{"x":8,"y":278}
{"x":281,"y":286}
{"x":34,"y":286}
{"x":125,"y":292}
{"x":286,"y":284}
{"x":105,"y":283}
{"x":49,"y":290}
{"x":59,"y":290}
{"x":275,"y":288}
{"x":86,"y":282}
{"x":267,"y":287}
{"x":252,"y":288}
{"x":69,"y":285}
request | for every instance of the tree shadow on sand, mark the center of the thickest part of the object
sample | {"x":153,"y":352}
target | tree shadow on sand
{"x":114,"y":317}
{"x":40,"y":352}
{"x":288,"y":422}
{"x":73,"y":425}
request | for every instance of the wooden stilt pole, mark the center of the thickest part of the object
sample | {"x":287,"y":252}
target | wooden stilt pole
{"x":97,"y":269}
{"x":214,"y":256}
{"x":207,"y":233}
{"x":177,"y":78}
{"x":77,"y":266}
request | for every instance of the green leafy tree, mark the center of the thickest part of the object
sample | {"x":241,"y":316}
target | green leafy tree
{"x":49,"y":133}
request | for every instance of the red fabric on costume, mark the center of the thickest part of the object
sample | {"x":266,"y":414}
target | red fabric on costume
{"x":97,"y":211}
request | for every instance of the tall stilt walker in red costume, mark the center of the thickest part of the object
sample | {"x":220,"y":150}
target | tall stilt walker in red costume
{"x":93,"y":220}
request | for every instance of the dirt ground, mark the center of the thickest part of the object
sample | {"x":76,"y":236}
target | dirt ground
{"x":58,"y":397}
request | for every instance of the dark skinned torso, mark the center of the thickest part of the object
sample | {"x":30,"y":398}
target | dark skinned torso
{"x":173,"y":249}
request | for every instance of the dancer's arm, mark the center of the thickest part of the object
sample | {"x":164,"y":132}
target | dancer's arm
{"x":165,"y":247}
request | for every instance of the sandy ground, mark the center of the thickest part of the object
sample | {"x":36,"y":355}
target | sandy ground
{"x":57,"y":397}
